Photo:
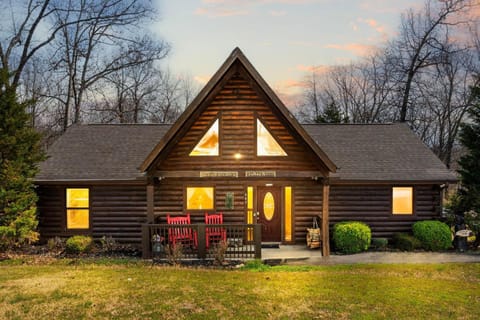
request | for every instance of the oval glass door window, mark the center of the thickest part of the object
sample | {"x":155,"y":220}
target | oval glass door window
{"x":268,"y":206}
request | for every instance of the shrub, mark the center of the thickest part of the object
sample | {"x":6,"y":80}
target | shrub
{"x":56,"y":244}
{"x":79,"y":244}
{"x":406,"y":242}
{"x":379,"y":243}
{"x":219,"y":252}
{"x":175,"y":253}
{"x":351,"y":236}
{"x":7,"y":238}
{"x":434,"y":235}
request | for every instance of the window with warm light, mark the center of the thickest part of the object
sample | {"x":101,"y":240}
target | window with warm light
{"x":288,"y":213}
{"x":209,"y":144}
{"x":78,"y":208}
{"x":200,"y":198}
{"x":266,"y":143}
{"x":402,"y":200}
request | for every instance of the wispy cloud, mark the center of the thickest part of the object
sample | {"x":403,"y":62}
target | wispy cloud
{"x":356,"y":48}
{"x":387,"y":6}
{"x":278,"y":13}
{"x":220,"y":12}
{"x":201,"y":79}
{"x":227,"y":8}
{"x":373,"y":24}
{"x":318,"y":69}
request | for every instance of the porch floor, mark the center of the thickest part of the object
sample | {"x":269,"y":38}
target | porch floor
{"x":289,"y":253}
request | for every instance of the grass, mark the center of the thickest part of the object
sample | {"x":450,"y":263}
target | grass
{"x":130,"y":289}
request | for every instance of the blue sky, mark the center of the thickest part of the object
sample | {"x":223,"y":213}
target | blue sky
{"x":283,"y":39}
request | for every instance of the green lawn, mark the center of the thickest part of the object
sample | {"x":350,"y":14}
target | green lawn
{"x":78,"y":290}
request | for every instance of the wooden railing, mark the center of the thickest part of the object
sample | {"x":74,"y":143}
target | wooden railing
{"x":243,"y":241}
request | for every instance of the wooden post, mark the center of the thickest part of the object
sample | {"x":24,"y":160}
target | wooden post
{"x":150,"y":201}
{"x":146,"y":252}
{"x":325,"y":219}
{"x":202,"y":252}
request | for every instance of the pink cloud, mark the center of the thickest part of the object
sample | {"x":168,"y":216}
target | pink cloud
{"x":374,"y":25}
{"x":227,"y":8}
{"x":201,"y":79}
{"x":356,"y":48}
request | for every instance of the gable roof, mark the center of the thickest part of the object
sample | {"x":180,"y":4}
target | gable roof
{"x":100,"y":152}
{"x":375,"y":153}
{"x":379,"y":152}
{"x":236,"y":56}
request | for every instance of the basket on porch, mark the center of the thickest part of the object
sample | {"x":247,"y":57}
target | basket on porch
{"x":313,"y":235}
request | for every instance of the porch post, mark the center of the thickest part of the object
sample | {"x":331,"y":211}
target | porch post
{"x":150,"y":200}
{"x":326,"y":218}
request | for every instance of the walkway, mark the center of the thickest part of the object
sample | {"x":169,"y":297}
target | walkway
{"x":301,"y":255}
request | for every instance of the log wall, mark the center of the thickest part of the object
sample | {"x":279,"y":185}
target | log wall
{"x":372,"y":205}
{"x":115,"y":210}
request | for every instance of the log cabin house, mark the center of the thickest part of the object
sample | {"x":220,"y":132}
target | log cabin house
{"x":238,"y":150}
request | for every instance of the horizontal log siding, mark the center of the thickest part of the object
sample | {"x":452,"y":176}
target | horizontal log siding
{"x":372,"y":205}
{"x":119,"y":212}
{"x":169,"y":199}
{"x":51,"y":221}
{"x":115,"y":210}
{"x":237,"y":104}
{"x":307,"y":205}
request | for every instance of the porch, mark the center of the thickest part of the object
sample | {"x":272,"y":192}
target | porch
{"x":242,"y":241}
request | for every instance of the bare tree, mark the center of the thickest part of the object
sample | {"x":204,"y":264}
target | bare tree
{"x":97,"y":44}
{"x":418,"y":45}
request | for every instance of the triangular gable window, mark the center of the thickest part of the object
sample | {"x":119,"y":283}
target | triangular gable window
{"x":209,"y":144}
{"x":266,"y":143}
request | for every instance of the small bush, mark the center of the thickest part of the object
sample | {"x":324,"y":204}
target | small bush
{"x":406,"y":242}
{"x":219,"y":252}
{"x":7,"y":238}
{"x":351,"y":236}
{"x":108,"y":244}
{"x":175,"y":253}
{"x":56,"y":244}
{"x":379,"y":243}
{"x":79,"y":244}
{"x":255,"y":265}
{"x":434,"y":235}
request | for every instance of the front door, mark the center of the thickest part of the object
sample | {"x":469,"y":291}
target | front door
{"x":270,"y":213}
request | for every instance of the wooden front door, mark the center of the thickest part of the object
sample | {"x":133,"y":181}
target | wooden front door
{"x":270,"y":213}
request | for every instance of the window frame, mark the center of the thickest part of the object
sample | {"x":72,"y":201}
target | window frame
{"x":185,"y":197}
{"x":209,"y":126}
{"x":265,"y":125}
{"x":392,"y":201}
{"x":67,"y":208}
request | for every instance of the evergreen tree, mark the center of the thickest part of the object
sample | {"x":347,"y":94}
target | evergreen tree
{"x":20,"y":153}
{"x":331,"y":114}
{"x":467,"y":202}
{"x":470,"y":162}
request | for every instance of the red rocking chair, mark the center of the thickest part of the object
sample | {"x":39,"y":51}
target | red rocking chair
{"x":185,"y":236}
{"x":214,"y":234}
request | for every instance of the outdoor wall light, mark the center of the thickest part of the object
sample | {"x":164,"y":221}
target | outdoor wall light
{"x":237,"y":156}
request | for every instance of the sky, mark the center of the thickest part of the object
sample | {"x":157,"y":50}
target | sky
{"x":283,"y":39}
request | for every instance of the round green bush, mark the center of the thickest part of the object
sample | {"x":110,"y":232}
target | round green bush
{"x":351,"y":236}
{"x":79,"y":244}
{"x":434,"y":235}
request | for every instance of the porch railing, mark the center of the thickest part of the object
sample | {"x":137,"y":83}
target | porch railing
{"x":243,"y":241}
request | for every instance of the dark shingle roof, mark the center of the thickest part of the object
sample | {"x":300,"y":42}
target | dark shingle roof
{"x":361,"y":153}
{"x":100,"y":152}
{"x":378,"y":152}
